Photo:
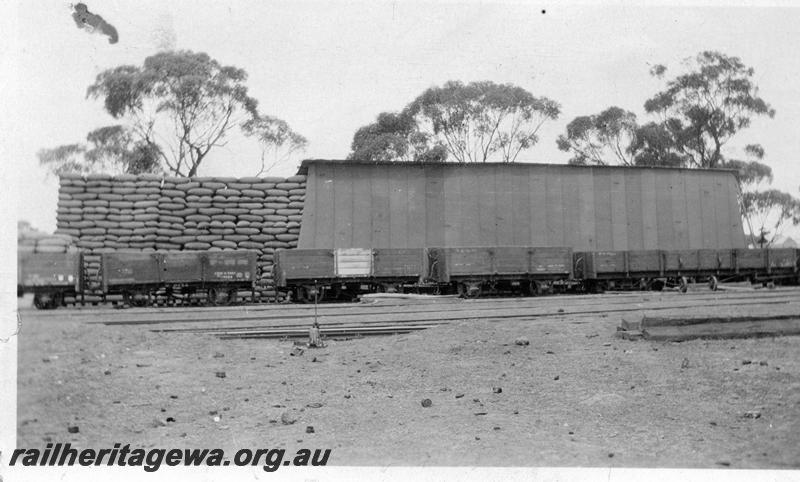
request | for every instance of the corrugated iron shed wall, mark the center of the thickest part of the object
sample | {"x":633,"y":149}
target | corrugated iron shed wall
{"x":365,"y":205}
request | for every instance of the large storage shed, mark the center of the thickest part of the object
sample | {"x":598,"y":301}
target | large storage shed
{"x":409,"y":205}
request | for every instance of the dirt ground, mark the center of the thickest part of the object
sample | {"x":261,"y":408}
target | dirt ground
{"x":575,"y":396}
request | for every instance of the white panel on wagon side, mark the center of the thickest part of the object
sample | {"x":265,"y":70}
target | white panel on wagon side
{"x":354,"y":262}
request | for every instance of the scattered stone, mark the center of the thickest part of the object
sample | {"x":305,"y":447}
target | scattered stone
{"x":309,"y":429}
{"x":287,"y":419}
{"x":611,"y":455}
{"x":296,"y":351}
{"x":556,"y":377}
{"x":314,"y":405}
{"x":218,"y":355}
{"x":107,"y":372}
{"x":73,"y":429}
{"x":347,"y":396}
{"x":746,"y":362}
{"x":550,"y":352}
{"x":763,"y":363}
{"x":170,"y":419}
{"x":713,"y":424}
{"x":606,"y":344}
{"x":561,"y":310}
{"x":143,"y":365}
{"x":157,"y":423}
{"x":173,"y":396}
{"x":522,"y":342}
{"x":516,"y":412}
{"x":476,"y":400}
{"x":685,"y":363}
{"x":212,"y":412}
{"x":221,"y":375}
{"x":497,"y":390}
{"x":459,"y":395}
{"x":507,"y":352}
{"x":480,"y":413}
{"x":427,"y":402}
{"x":752,"y":414}
{"x":497,"y":428}
{"x":724,"y":463}
{"x":592,"y":335}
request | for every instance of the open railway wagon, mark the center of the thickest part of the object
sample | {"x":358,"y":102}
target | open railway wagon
{"x":474,"y":271}
{"x":344,"y":273}
{"x":656,"y":269}
{"x":53,"y":278}
{"x":186,"y":277}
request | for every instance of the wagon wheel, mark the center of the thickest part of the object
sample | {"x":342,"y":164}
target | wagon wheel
{"x":232,"y":297}
{"x":56,"y":300}
{"x":469,"y":290}
{"x":131,"y":299}
{"x":713,"y":283}
{"x":594,"y":286}
{"x":390,"y":288}
{"x":306,"y":294}
{"x":300,"y":295}
{"x":41,"y":302}
{"x":535,"y":288}
{"x":218,"y":296}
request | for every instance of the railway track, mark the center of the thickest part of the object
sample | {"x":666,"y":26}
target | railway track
{"x":356,"y":322}
{"x":388,"y":316}
{"x":213,"y":312}
{"x":464,"y":310}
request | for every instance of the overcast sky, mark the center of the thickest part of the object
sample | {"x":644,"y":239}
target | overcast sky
{"x":330,"y":68}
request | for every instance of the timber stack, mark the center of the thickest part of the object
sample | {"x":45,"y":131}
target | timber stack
{"x":148,"y":212}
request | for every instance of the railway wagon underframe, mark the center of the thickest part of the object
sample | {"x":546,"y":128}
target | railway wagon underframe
{"x":656,"y":269}
{"x":316,"y":274}
{"x":472,"y":271}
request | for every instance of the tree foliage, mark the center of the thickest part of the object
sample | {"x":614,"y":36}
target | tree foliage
{"x":190,"y":95}
{"x":112,"y":149}
{"x":705,"y":107}
{"x":770,"y":210}
{"x":697,"y":113}
{"x":599,"y":139}
{"x":476,"y":122}
{"x":395,"y":137}
{"x":175,"y":108}
{"x":480,"y":121}
{"x":277,"y":140}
